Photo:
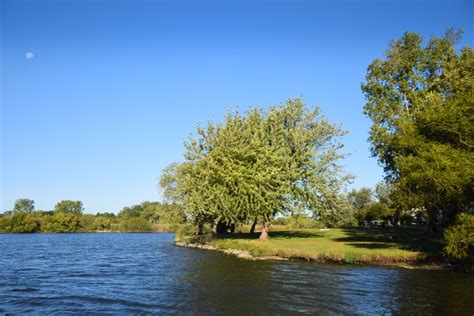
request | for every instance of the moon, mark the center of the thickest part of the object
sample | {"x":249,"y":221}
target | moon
{"x":30,"y":55}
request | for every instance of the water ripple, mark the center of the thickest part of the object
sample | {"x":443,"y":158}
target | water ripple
{"x":145,"y":274}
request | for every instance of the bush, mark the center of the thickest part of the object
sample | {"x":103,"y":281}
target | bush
{"x":459,"y":238}
{"x":304,"y":221}
{"x":281,"y":221}
{"x":5,"y":224}
{"x":135,"y":225}
{"x":377,"y":211}
{"x":185,"y":230}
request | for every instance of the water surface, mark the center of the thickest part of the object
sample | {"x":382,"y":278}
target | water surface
{"x":145,"y":274}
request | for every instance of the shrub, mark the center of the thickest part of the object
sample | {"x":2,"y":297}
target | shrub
{"x":377,"y":211}
{"x":5,"y":224}
{"x":135,"y":224}
{"x":459,"y":238}
{"x":305,"y":222}
{"x":281,"y":221}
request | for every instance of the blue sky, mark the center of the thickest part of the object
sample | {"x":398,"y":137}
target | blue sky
{"x":115,"y":87}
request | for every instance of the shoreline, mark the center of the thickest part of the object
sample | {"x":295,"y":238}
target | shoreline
{"x":246,"y":255}
{"x":93,"y":232}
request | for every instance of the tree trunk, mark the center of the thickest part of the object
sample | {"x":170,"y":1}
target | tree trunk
{"x":200,"y":229}
{"x":214,"y":228}
{"x":264,"y":233}
{"x":252,"y":229}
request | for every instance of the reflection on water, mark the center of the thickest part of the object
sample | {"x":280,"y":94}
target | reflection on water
{"x":145,"y":273}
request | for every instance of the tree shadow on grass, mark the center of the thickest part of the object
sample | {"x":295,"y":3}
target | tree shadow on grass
{"x":407,"y":238}
{"x":296,"y":234}
{"x":373,"y":245}
{"x":273,"y":234}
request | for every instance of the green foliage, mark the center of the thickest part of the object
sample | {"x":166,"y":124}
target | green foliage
{"x":61,"y":222}
{"x":360,"y":199}
{"x":258,"y":165}
{"x":68,"y":206}
{"x":25,"y":223}
{"x":420,"y":101}
{"x":155,"y":212}
{"x":383,"y":192}
{"x":5,"y":224}
{"x":378,"y":211}
{"x":67,"y":217}
{"x":341,"y":214}
{"x":135,"y":224}
{"x":24,"y":206}
{"x":364,"y":206}
{"x":102,"y":223}
{"x":459,"y":238}
{"x":304,"y":222}
{"x":283,"y":221}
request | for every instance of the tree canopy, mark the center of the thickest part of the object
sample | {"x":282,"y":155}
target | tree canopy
{"x":420,"y":101}
{"x":260,"y":164}
{"x":68,"y":206}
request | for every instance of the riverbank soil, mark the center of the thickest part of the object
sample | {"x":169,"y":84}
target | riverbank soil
{"x":386,"y":246}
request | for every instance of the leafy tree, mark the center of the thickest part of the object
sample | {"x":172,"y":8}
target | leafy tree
{"x":168,"y":183}
{"x":5,"y":224}
{"x":132,"y":211}
{"x":340,"y":213}
{"x":377,"y":211}
{"x":383,"y":192}
{"x":135,"y":224}
{"x":86,"y":223}
{"x":420,"y":101}
{"x":68,"y":206}
{"x":257,"y":165}
{"x":459,"y":238}
{"x":102,"y":223}
{"x":24,"y":206}
{"x":360,"y":199}
{"x":61,"y":222}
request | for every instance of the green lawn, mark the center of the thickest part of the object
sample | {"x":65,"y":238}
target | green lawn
{"x":349,"y":245}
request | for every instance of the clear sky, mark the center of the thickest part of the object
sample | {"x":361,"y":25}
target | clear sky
{"x":98,"y":96}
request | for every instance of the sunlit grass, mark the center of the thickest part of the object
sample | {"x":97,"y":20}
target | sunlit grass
{"x":350,"y":245}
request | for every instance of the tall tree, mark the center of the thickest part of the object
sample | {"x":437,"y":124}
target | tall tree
{"x":361,"y":199}
{"x":383,"y":192}
{"x":420,"y":101}
{"x":68,"y":206}
{"x":24,"y":206}
{"x":259,"y":164}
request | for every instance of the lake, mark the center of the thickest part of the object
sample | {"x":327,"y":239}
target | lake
{"x":146,"y":273}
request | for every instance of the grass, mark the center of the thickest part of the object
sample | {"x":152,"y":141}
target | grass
{"x":342,"y":245}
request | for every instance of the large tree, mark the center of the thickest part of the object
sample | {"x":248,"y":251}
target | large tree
{"x":254,"y":166}
{"x":420,"y":100}
{"x":68,"y":206}
{"x":24,"y":206}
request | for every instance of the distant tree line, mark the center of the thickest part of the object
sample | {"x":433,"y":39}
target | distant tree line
{"x":68,"y":217}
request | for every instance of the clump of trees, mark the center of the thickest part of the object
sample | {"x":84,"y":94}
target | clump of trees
{"x":460,"y":238}
{"x":255,"y":165}
{"x":420,"y":100}
{"x":68,"y":217}
{"x":369,"y":205}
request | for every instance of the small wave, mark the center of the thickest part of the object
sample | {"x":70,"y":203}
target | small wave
{"x":25,"y":289}
{"x":102,"y":300}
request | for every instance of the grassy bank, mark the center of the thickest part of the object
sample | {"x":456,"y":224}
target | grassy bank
{"x":342,"y":245}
